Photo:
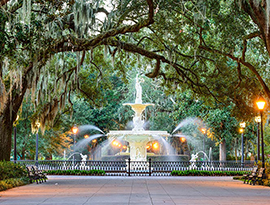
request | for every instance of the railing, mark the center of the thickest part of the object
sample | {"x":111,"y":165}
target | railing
{"x":140,"y":168}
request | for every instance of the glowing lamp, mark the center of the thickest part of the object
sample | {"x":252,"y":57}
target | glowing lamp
{"x":242,"y":124}
{"x":203,"y":130}
{"x":241,"y":130}
{"x":258,"y":119}
{"x":94,"y":140}
{"x":261,"y":103}
{"x":182,"y":139}
{"x":86,"y":136}
{"x":75,"y":129}
{"x":155,"y":145}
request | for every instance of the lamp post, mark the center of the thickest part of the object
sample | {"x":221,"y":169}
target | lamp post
{"x":37,"y":125}
{"x":74,"y":130}
{"x":15,"y":138}
{"x":258,"y":120}
{"x":203,"y":130}
{"x":241,"y":130}
{"x":261,"y":105}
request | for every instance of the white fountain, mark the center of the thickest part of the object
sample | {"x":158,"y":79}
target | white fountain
{"x":138,"y":137}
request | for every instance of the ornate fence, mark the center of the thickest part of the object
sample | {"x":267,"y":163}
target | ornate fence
{"x":139,"y":168}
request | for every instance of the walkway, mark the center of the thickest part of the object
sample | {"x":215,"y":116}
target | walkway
{"x":79,"y":190}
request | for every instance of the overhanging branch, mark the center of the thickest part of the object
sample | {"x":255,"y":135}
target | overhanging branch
{"x":243,"y":62}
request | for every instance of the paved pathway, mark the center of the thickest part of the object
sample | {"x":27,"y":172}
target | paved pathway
{"x":136,"y":190}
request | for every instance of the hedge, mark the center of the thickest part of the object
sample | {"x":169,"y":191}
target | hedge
{"x":13,"y":182}
{"x":11,"y":170}
{"x":207,"y":173}
{"x":93,"y":172}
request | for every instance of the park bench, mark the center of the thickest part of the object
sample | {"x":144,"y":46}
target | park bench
{"x":31,"y":174}
{"x":40,"y":174}
{"x":258,"y":178}
{"x":35,"y":175}
{"x":247,"y":177}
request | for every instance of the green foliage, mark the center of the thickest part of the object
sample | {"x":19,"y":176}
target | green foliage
{"x":93,"y":172}
{"x":12,"y":175}
{"x":13,"y":182}
{"x":11,"y":170}
{"x":52,"y":142}
{"x":207,"y":173}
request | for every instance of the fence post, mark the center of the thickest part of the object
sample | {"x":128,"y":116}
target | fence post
{"x":149,"y":166}
{"x":128,"y":166}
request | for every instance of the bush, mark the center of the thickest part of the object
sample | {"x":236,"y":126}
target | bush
{"x":11,"y":170}
{"x":93,"y":172}
{"x":13,"y":182}
{"x":207,"y":173}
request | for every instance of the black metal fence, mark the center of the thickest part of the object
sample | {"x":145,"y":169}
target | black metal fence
{"x":140,"y":168}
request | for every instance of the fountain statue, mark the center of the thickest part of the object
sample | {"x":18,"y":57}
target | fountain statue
{"x":138,"y":137}
{"x":83,"y":162}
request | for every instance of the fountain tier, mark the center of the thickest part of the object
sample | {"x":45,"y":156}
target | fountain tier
{"x":138,"y":137}
{"x":138,"y":141}
{"x":137,"y":119}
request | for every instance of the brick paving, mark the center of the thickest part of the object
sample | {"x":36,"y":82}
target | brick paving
{"x":84,"y":190}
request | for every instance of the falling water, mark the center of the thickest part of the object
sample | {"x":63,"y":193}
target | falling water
{"x":187,"y":121}
{"x":170,"y":151}
{"x":73,"y":154}
{"x":84,"y":128}
{"x":84,"y":142}
{"x":210,"y":154}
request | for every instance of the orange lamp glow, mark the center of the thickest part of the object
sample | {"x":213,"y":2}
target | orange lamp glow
{"x":75,"y":129}
{"x":203,"y":130}
{"x":261,"y":104}
{"x":182,"y":139}
{"x":94,"y":140}
{"x":155,"y":145}
{"x":241,"y":130}
{"x":117,"y":144}
{"x":86,"y":136}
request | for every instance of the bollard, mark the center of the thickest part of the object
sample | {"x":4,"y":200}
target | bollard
{"x":149,"y":166}
{"x":128,"y":166}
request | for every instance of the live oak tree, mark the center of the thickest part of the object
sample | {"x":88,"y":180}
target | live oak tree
{"x":37,"y":36}
{"x":218,"y":49}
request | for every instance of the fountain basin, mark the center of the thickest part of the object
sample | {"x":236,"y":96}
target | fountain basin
{"x":137,"y":141}
{"x":136,"y":133}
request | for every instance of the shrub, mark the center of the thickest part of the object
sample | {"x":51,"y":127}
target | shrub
{"x":207,"y":173}
{"x":93,"y":172}
{"x":13,"y":182}
{"x":11,"y":170}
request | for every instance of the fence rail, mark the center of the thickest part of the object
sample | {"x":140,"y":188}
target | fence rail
{"x":140,"y":168}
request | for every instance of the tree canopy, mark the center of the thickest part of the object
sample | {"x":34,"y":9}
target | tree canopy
{"x":50,"y":49}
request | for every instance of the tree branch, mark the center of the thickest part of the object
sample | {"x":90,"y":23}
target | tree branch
{"x":77,"y":44}
{"x":3,"y":2}
{"x":250,"y":36}
{"x":181,"y":70}
{"x":240,"y":60}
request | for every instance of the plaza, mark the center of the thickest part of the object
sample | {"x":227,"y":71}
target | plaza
{"x":133,"y":102}
{"x":81,"y":190}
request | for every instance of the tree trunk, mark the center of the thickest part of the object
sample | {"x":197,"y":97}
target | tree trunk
{"x":235,"y":154}
{"x":5,"y":136}
{"x":222,"y":150}
{"x":7,"y":116}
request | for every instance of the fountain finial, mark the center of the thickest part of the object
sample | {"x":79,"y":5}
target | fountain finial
{"x":138,"y":87}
